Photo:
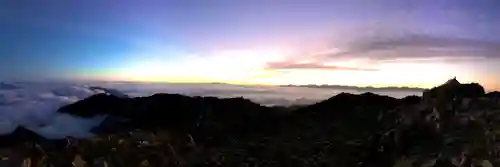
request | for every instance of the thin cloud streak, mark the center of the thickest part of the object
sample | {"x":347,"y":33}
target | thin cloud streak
{"x":423,"y":46}
{"x":312,"y":65}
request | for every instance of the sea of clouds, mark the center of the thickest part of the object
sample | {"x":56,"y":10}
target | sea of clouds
{"x":34,"y":104}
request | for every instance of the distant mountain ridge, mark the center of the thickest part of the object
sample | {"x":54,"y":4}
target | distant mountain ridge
{"x":356,"y":87}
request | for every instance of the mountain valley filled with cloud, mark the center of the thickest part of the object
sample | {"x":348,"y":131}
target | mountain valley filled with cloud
{"x":34,"y":104}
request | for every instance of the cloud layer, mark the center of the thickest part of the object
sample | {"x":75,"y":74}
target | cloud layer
{"x":34,"y":105}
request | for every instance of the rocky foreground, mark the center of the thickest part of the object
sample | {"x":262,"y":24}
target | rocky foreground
{"x":451,"y":125}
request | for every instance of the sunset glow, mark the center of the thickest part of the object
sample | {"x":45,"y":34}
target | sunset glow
{"x":339,"y":42}
{"x":234,"y":66}
{"x":249,"y":67}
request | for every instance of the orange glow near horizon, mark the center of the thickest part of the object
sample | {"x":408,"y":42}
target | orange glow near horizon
{"x":248,"y":67}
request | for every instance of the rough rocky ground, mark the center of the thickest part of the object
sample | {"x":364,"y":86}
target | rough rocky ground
{"x":451,"y":125}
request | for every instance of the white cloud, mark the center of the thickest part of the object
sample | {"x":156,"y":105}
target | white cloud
{"x":34,"y":105}
{"x":267,"y":95}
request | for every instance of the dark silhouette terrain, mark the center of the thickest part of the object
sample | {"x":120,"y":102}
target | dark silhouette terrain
{"x":451,"y":125}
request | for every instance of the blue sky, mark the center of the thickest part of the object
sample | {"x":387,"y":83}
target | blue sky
{"x":111,"y":39}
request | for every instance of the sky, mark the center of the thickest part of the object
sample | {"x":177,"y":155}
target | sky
{"x":345,"y":42}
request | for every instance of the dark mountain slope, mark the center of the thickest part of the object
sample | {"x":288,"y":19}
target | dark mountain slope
{"x":20,"y":135}
{"x":451,"y":125}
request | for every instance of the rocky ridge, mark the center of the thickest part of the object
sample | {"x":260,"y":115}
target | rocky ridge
{"x":453,"y":124}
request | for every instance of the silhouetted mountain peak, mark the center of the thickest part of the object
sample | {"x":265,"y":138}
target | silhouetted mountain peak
{"x":20,"y":135}
{"x":452,"y":82}
{"x":494,"y":94}
{"x":99,"y":104}
{"x":453,"y":89}
{"x":25,"y":133}
{"x":413,"y":99}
